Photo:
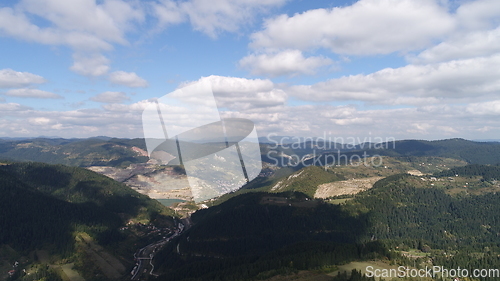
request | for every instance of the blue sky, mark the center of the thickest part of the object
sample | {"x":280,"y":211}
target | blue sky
{"x":404,"y":69}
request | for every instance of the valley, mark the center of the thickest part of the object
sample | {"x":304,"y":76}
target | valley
{"x":292,"y":222}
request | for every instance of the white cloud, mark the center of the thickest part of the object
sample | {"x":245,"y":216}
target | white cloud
{"x":484,"y":108}
{"x":106,"y":21}
{"x":477,"y":34}
{"x":235,"y":86}
{"x":13,"y":79}
{"x":467,"y":79}
{"x":365,"y":28}
{"x":90,"y":64}
{"x":353,"y":121}
{"x":430,"y":122}
{"x":84,"y":25}
{"x":479,"y":14}
{"x":288,"y":62}
{"x":462,"y":45}
{"x":213,"y":17}
{"x":240,"y":93}
{"x":137,"y":107}
{"x":168,"y":12}
{"x":129,"y":79}
{"x":17,"y":24}
{"x":12,"y":107}
{"x":90,"y":27}
{"x":40,"y":121}
{"x":110,"y":97}
{"x":32,"y":93}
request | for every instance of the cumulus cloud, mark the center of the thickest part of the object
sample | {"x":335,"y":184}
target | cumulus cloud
{"x":373,"y":27}
{"x":13,"y":79}
{"x":428,"y":122}
{"x":24,"y":121}
{"x":88,"y":27}
{"x":110,"y":97}
{"x":40,"y":121}
{"x":478,"y":15}
{"x":137,"y":107}
{"x":212,"y":17}
{"x":477,"y":34}
{"x":228,"y":86}
{"x":32,"y":93}
{"x":240,"y":93}
{"x":288,"y":62}
{"x":458,"y":79}
{"x":461,"y":46}
{"x":168,"y":12}
{"x":107,"y":21}
{"x":484,"y":108}
{"x":129,"y":79}
{"x":12,"y":107}
{"x":365,"y":28}
{"x":352,"y":121}
{"x":90,"y":64}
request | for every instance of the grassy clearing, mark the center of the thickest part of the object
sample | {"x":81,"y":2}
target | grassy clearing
{"x":414,"y":253}
{"x":109,"y":265}
{"x":362,"y":265}
{"x":339,"y":201}
{"x":303,"y":275}
{"x":68,"y":273}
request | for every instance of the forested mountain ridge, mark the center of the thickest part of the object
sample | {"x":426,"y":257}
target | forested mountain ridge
{"x":469,"y":151}
{"x":258,"y":235}
{"x":78,"y":185}
{"x":76,"y":152}
{"x":49,"y":208}
{"x":123,"y":152}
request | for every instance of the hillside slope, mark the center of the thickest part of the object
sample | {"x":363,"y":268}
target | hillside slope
{"x":45,"y":204}
{"x":258,"y":235}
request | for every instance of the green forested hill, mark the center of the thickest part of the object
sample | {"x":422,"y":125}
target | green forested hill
{"x":469,"y":151}
{"x":255,"y":235}
{"x":406,"y":213}
{"x":399,"y":207}
{"x":487,"y":172}
{"x":45,"y":204}
{"x":75,"y":152}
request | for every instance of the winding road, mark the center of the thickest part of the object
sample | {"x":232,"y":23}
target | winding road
{"x":144,"y":256}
